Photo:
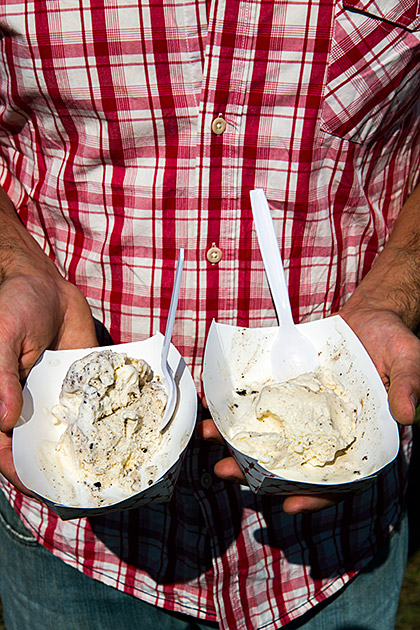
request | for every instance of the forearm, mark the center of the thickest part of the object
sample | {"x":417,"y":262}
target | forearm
{"x":393,"y":283}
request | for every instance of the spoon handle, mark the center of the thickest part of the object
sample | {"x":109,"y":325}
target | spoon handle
{"x":270,"y":253}
{"x":172,"y":307}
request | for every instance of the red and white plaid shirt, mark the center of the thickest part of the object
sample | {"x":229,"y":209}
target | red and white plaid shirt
{"x":108,"y":152}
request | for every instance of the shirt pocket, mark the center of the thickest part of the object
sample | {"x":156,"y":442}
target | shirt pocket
{"x":373,"y":76}
{"x":405,"y":13}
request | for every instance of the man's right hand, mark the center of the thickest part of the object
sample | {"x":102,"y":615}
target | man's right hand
{"x":39,"y":309}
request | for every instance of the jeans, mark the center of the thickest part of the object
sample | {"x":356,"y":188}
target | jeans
{"x":40,"y":592}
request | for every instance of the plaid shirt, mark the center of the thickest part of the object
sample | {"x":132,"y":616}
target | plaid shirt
{"x":111,"y":150}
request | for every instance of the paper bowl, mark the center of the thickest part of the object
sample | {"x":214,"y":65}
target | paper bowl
{"x":237,"y":361}
{"x":41,"y":393}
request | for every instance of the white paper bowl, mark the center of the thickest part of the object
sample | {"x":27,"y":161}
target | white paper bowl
{"x":41,"y":393}
{"x":238,"y":360}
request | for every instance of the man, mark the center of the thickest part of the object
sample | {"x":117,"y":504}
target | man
{"x":131,"y":129}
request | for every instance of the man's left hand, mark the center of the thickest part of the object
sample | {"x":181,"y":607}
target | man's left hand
{"x":394,"y":349}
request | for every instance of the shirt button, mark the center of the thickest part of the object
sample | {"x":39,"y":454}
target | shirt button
{"x":214,"y":255}
{"x":206,"y":480}
{"x":218,"y":125}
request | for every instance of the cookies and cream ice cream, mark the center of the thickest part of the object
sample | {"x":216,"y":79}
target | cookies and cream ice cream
{"x":110,"y":406}
{"x":306,"y":421}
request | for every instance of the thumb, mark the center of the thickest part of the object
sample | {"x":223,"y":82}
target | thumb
{"x":404,"y":388}
{"x":10,"y":388}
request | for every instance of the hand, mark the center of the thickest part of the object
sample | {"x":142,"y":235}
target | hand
{"x":229,"y":470}
{"x":395,"y":351}
{"x":38,"y":310}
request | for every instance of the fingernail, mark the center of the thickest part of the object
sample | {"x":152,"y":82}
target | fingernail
{"x":3,"y":413}
{"x":414,"y":400}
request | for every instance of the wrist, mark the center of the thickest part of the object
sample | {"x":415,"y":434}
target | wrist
{"x":392,"y":285}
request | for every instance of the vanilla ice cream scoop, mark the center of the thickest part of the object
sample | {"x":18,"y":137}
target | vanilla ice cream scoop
{"x":328,"y":429}
{"x":111,"y":407}
{"x":304,"y":421}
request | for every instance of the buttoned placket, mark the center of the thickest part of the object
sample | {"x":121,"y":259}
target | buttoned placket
{"x":222,"y":127}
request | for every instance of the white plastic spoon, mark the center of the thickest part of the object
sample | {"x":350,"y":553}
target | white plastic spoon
{"x":292,"y":353}
{"x":166,"y":368}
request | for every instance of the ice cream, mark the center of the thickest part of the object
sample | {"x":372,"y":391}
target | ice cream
{"x":306,"y":422}
{"x":327,"y":431}
{"x":110,"y":406}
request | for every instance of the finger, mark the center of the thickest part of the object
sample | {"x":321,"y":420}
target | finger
{"x":203,"y":400}
{"x":229,"y":470}
{"x":78,"y":329}
{"x":7,"y":467}
{"x":10,"y":388}
{"x":207,"y":430}
{"x":78,"y":337}
{"x":404,"y":390}
{"x":298,"y":504}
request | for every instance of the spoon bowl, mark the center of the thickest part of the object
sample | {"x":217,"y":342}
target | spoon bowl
{"x":169,"y":380}
{"x":292,"y":354}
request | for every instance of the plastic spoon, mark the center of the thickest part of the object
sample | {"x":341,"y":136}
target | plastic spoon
{"x":166,"y":368}
{"x":292,"y":353}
